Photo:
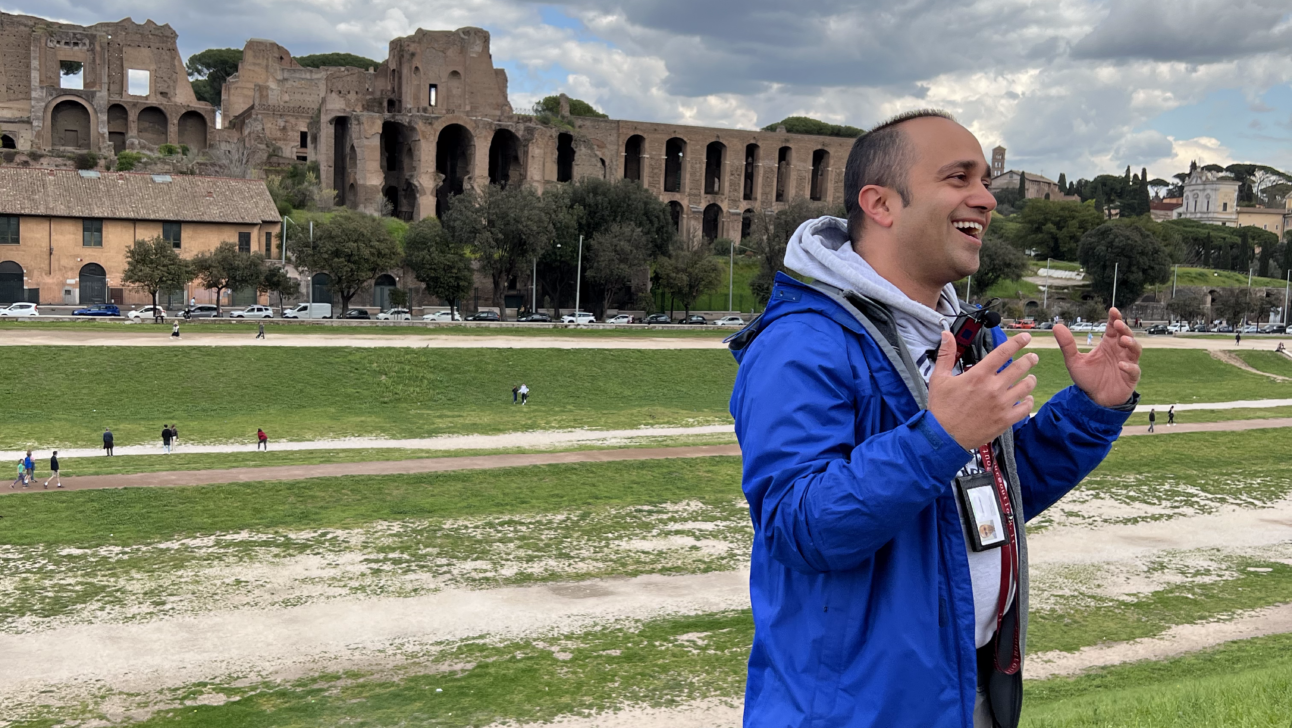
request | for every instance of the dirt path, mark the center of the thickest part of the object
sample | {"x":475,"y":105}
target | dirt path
{"x":389,"y":467}
{"x":284,"y":643}
{"x":1228,"y":426}
{"x":1232,"y":359}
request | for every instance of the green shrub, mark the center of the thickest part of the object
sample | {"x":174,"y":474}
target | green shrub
{"x":126,"y":161}
{"x":87,"y":160}
{"x":168,"y":150}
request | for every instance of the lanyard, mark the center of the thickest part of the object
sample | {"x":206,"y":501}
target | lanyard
{"x":1008,"y":560}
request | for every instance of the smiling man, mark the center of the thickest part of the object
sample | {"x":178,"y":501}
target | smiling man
{"x":890,"y":466}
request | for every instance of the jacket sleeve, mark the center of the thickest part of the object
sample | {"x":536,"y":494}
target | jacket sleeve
{"x":1061,"y":445}
{"x":822,"y":497}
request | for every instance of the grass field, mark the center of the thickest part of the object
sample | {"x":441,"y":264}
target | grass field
{"x":1220,"y":279}
{"x":249,"y":328}
{"x":1267,"y":361}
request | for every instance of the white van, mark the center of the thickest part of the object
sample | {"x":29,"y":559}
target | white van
{"x":309,"y":311}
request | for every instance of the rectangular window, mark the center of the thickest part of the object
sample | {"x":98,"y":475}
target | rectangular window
{"x":431,"y":95}
{"x":9,"y":230}
{"x":1224,"y":207}
{"x":137,"y":82}
{"x":269,"y":245}
{"x":244,"y":242}
{"x":171,"y":232}
{"x":92,"y":233}
{"x":305,"y":139}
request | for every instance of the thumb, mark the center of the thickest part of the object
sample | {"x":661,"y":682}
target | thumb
{"x":946,"y":363}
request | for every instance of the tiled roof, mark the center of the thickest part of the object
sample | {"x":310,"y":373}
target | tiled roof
{"x":1163,"y":205}
{"x":134,"y":196}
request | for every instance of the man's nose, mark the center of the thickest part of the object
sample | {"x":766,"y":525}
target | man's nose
{"x":981,"y":198}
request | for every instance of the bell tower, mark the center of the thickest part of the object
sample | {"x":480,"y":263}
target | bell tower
{"x":997,"y":161}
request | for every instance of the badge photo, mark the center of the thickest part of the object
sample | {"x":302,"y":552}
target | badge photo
{"x":985,"y":519}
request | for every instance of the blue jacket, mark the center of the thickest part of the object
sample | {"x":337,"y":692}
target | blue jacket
{"x":863,"y":609}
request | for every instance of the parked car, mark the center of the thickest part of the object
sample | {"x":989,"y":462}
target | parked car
{"x":1027,"y":323}
{"x":1179,"y":327}
{"x":1101,"y":327}
{"x":729,"y":321}
{"x":1200,"y":328}
{"x":1224,"y":329}
{"x":1159,"y":330}
{"x":485,"y":316}
{"x":535,"y":318}
{"x":253,"y":312}
{"x":1274,"y":329}
{"x":20,"y":309}
{"x":1082,"y":328}
{"x":442,"y":316}
{"x":1046,"y":326}
{"x":309,"y":311}
{"x":395,"y":314}
{"x":202,"y":310}
{"x":98,"y":309}
{"x":357,"y":313}
{"x":658,"y":318}
{"x":694,"y":319}
{"x":622,"y":318}
{"x":578,"y":317}
{"x":146,"y":313}
{"x":1250,"y":329}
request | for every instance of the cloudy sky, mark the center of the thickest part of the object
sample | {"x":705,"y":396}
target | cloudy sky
{"x":1075,"y":86}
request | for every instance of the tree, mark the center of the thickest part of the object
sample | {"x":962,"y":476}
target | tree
{"x":154,"y":266}
{"x":1063,"y":183}
{"x":998,"y":261}
{"x":336,"y":60}
{"x":597,"y":204}
{"x":688,"y":271}
{"x":276,"y":280}
{"x":1022,"y":185}
{"x":808,"y":125}
{"x":1263,"y":267}
{"x":440,"y":263}
{"x":768,"y":237}
{"x":212,"y":67}
{"x":578,"y":107}
{"x":505,"y":228}
{"x":351,"y":248}
{"x":1100,"y":202}
{"x":615,"y":256}
{"x":1054,"y":228}
{"x":226,"y":269}
{"x":1186,"y":305}
{"x":1138,"y":258}
{"x":1231,"y":304}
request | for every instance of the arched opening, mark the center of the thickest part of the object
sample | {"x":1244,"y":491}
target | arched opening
{"x":784,"y":160}
{"x":456,"y":92}
{"x":751,"y":171}
{"x":12,"y":286}
{"x":820,"y":168}
{"x":746,"y":223}
{"x":453,"y":154}
{"x":192,"y":130}
{"x":674,"y":150}
{"x":712,"y":222}
{"x":675,"y":212}
{"x":93,"y":284}
{"x":564,"y":157}
{"x":7,"y":142}
{"x":341,"y":160}
{"x":381,"y":289}
{"x":321,"y":285}
{"x":715,"y":155}
{"x":118,"y":127}
{"x":153,"y":126}
{"x":398,"y":166}
{"x":633,"y":157}
{"x":69,"y":125}
{"x":505,"y":164}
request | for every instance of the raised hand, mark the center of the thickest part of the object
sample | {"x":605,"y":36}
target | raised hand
{"x":978,"y":406}
{"x":1109,"y":372}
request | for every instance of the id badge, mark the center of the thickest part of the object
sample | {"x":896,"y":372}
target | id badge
{"x":981,"y":510}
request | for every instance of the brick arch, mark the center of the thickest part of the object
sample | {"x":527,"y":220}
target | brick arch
{"x":153,"y":126}
{"x":48,"y":137}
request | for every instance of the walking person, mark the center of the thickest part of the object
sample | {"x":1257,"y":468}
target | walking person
{"x":30,"y":465}
{"x":1238,"y":338}
{"x":174,"y":436}
{"x":514,"y":393}
{"x":22,"y":475}
{"x":1170,"y":417}
{"x":174,"y":330}
{"x":262,"y":440}
{"x":53,"y":468}
{"x":1152,"y":418}
{"x":524,"y":394}
{"x":167,"y":435}
{"x":261,"y":334}
{"x":107,"y":442}
{"x":1090,"y":338}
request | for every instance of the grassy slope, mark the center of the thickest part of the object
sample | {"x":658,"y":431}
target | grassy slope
{"x":742,"y":296}
{"x":59,"y":396}
{"x":1221,"y":279}
{"x":1267,"y":361}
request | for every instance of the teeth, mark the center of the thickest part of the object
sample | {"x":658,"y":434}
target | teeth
{"x":968,"y":225}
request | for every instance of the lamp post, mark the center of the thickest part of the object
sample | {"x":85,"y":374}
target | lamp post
{"x":1286,"y":288}
{"x":1045,"y":298}
{"x":731,"y":269}
{"x":1116,"y":267}
{"x":968,"y":287}
{"x":578,"y":281}
{"x":288,"y":219}
{"x":533,"y":286}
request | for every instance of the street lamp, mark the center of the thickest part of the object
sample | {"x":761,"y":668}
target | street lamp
{"x":1045,"y":298}
{"x":1116,"y":267}
{"x":578,"y":281}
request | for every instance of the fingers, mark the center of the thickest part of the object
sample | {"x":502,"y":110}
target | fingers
{"x":1021,"y":366}
{"x":1021,"y":411}
{"x":1066,"y":341}
{"x":1132,"y":345}
{"x":1003,"y":353}
{"x":1113,"y":316}
{"x":1132,"y":370}
{"x":946,"y":363}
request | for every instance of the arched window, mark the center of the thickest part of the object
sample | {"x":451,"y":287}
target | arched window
{"x":381,"y":289}
{"x":751,"y":170}
{"x":454,"y":155}
{"x":1206,"y":203}
{"x":93,"y":284}
{"x":715,"y":156}
{"x":712,"y":222}
{"x":70,"y":125}
{"x":633,"y":157}
{"x":674,"y":152}
{"x":6,"y":142}
{"x":192,"y":131}
{"x":153,"y":125}
{"x":820,"y":168}
{"x":675,"y":211}
{"x":12,"y":287}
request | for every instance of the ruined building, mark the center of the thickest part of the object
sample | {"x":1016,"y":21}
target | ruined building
{"x":434,"y":118}
{"x":130,"y":89}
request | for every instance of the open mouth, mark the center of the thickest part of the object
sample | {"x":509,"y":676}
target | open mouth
{"x":971,"y":228}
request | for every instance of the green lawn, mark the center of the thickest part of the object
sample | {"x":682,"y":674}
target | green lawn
{"x":1174,"y":376}
{"x":1267,"y":361}
{"x":59,"y":396}
{"x":742,"y":297}
{"x":1219,"y":279}
{"x":249,"y":328}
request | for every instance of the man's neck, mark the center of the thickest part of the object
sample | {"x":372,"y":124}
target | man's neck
{"x":890,"y":268}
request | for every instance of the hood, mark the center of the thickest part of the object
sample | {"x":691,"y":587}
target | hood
{"x":821,"y":249}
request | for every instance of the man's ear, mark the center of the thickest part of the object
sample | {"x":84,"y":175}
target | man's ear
{"x":878,"y":204}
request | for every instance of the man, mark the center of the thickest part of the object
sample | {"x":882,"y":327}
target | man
{"x":166,"y":437}
{"x":1152,"y":418}
{"x":30,"y":465}
{"x":1170,"y":417}
{"x":53,"y":467}
{"x":261,"y":333}
{"x":876,"y":603}
{"x":524,"y":393}
{"x":107,"y":442}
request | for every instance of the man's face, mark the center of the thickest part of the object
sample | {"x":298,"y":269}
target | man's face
{"x":940,"y":232}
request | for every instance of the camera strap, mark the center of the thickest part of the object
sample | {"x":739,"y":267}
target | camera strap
{"x":1009,"y":564}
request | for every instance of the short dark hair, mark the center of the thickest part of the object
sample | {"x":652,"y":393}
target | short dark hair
{"x":880,"y":157}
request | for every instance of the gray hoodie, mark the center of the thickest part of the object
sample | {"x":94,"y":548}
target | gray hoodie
{"x":821,"y":249}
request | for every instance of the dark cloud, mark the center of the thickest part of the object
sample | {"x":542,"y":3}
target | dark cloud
{"x":1191,"y":31}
